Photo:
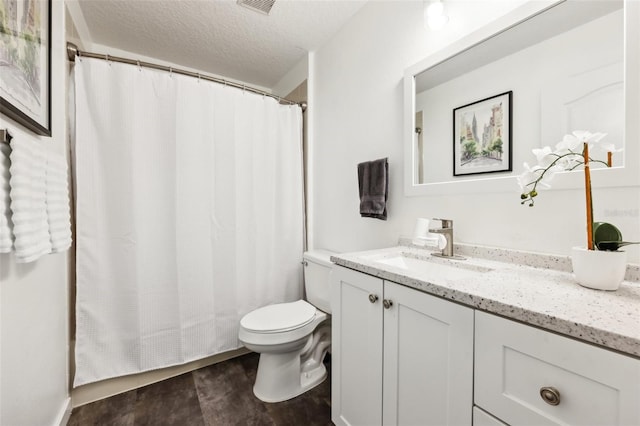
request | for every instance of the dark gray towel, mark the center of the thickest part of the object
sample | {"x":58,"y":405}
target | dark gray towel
{"x":373,"y":183}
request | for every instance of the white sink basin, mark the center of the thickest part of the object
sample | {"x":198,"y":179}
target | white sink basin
{"x":430,"y":266}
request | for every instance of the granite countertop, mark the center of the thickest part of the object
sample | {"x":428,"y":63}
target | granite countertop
{"x":532,"y":288}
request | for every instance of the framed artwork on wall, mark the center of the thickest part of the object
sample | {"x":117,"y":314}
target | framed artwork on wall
{"x":25,"y":63}
{"x":482,"y":136}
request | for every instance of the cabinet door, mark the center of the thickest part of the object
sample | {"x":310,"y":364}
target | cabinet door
{"x":428,"y":359}
{"x":525,"y":375}
{"x":482,"y":418}
{"x":356,"y":353}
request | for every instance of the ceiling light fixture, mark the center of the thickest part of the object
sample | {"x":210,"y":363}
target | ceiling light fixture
{"x":434,"y":15}
{"x":262,"y":6}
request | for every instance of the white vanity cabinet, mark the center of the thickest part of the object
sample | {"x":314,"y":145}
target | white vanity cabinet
{"x":399,"y":356}
{"x":524,"y":375}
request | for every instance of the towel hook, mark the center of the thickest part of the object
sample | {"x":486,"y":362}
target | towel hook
{"x":5,"y":136}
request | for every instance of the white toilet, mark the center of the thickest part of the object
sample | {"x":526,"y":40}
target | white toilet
{"x":292,"y":338}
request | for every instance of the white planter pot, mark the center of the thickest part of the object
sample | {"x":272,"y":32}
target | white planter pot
{"x":601,"y":270}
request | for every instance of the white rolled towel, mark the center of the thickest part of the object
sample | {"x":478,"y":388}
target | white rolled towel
{"x":28,"y":199}
{"x":57,"y":198}
{"x":6,"y":225}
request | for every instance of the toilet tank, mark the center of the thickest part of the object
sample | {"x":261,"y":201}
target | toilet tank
{"x":317,"y":269}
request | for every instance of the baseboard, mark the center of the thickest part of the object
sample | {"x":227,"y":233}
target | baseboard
{"x":100,"y":390}
{"x":64,"y":414}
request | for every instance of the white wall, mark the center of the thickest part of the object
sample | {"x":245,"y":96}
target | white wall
{"x":292,"y":79}
{"x":356,"y":107}
{"x":33,"y":296}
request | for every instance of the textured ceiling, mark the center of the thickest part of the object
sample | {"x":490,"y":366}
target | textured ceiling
{"x":218,"y":36}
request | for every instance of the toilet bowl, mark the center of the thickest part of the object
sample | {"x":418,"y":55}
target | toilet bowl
{"x":292,"y":338}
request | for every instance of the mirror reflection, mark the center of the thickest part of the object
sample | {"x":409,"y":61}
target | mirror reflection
{"x":565,"y":69}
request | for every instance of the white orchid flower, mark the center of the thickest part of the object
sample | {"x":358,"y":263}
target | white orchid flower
{"x":588,"y":137}
{"x":529,"y":176}
{"x":525,"y":178}
{"x":568,"y":155}
{"x":545,"y":182}
{"x":570,"y":162}
{"x":544,"y":155}
{"x":567,"y":144}
{"x":609,"y":147}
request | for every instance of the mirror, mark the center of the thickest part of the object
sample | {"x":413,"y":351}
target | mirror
{"x":565,"y":68}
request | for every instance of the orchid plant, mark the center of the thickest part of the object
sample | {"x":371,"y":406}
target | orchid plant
{"x":569,"y":154}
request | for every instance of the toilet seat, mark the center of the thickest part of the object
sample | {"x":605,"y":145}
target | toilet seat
{"x":279,"y":318}
{"x":291,"y":333}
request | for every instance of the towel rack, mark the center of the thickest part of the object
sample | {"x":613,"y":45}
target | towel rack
{"x":5,"y":136}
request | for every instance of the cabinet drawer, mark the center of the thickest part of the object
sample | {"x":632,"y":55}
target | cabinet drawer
{"x":514,"y":362}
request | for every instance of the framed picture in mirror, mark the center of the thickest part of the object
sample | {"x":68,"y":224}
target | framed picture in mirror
{"x":482,"y":136}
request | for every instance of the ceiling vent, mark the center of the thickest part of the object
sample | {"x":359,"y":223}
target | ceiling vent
{"x":262,"y":6}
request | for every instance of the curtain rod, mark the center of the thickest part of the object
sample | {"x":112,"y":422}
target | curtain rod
{"x":73,"y":51}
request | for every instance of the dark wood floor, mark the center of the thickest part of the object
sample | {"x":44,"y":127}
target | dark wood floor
{"x":219,"y":395}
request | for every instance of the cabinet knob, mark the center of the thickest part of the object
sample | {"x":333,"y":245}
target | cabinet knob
{"x":373,"y":298}
{"x":387,"y":303}
{"x":550,"y":395}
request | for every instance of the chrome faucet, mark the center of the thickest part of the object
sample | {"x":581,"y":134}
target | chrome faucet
{"x":447,"y":231}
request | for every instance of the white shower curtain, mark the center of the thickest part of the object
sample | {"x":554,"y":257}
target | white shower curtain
{"x":189,"y":214}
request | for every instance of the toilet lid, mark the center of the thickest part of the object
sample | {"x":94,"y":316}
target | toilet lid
{"x":279,"y":317}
